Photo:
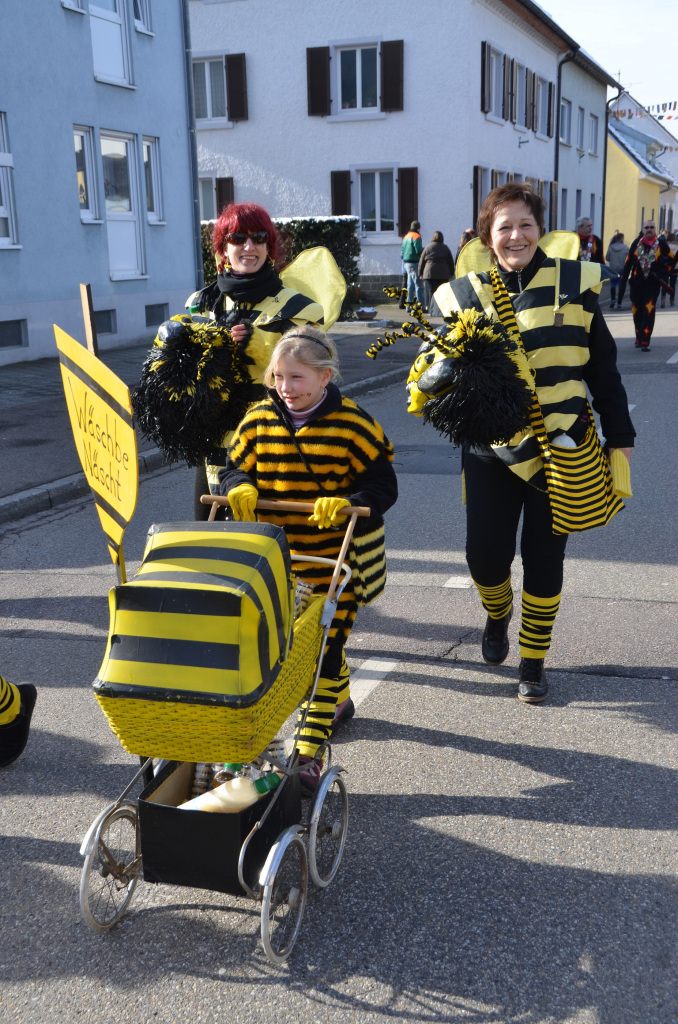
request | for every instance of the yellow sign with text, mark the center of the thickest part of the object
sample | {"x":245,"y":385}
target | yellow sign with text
{"x":100,"y":410}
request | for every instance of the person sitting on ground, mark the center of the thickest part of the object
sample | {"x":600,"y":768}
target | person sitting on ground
{"x":16,"y":708}
{"x":307,"y":442}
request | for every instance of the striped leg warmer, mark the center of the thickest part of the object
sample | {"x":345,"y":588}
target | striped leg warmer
{"x":539,"y":614}
{"x":10,"y":702}
{"x":329,"y":693}
{"x":497,"y":601}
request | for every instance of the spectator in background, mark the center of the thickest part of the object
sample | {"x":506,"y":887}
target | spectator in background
{"x":646,"y":269}
{"x":672,"y":242}
{"x":436,"y":265}
{"x":466,"y":237}
{"x":410,"y":251}
{"x":590,"y":246}
{"x":616,"y":254}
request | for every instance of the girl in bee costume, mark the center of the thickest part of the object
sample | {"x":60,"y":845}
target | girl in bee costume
{"x":306,"y":442}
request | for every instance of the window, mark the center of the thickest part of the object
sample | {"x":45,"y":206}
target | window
{"x":496,"y":83}
{"x":152,"y":181}
{"x":577,"y":205}
{"x":580,"y":129}
{"x":105,"y":321}
{"x":214,"y":195}
{"x":566,"y":122}
{"x":156,"y":314}
{"x":519,"y":72}
{"x":86,"y":178}
{"x":121,"y":197}
{"x":542,"y":101}
{"x":209,"y":89}
{"x":358,"y":78}
{"x":377,"y":201}
{"x":593,"y":134}
{"x":109,"y":42}
{"x":142,"y":15}
{"x":13,"y":333}
{"x":8,"y":227}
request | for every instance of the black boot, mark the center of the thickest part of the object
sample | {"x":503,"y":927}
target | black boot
{"x":13,"y":737}
{"x":495,"y":644}
{"x":533,"y":687}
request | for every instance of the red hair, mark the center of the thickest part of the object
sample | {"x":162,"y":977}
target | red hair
{"x":244,"y":217}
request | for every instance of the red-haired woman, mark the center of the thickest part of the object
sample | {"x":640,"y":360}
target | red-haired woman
{"x":250,"y":299}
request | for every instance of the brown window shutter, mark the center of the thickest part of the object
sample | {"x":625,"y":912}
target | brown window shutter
{"x":529,"y":98}
{"x":552,"y":100}
{"x":408,"y":198}
{"x":236,"y":87}
{"x":341,"y":192}
{"x":318,"y":80}
{"x":506,"y":107}
{"x":510,"y":177}
{"x":535,"y":106}
{"x":485,"y":79}
{"x":494,"y":179}
{"x":392,"y":75}
{"x":224,"y":193}
{"x":514,"y":92}
{"x":553,"y":206}
{"x":477,"y":192}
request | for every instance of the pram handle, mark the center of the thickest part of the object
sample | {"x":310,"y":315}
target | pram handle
{"x":215,"y":500}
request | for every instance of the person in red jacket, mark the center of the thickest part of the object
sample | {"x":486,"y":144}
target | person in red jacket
{"x":410,"y":251}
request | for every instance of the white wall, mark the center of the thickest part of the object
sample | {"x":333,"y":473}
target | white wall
{"x":579,"y":168}
{"x":282,"y":158}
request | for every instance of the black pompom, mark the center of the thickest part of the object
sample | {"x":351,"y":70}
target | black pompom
{"x":194,"y":387}
{"x":487,"y":401}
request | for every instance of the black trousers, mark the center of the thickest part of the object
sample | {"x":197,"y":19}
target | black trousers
{"x":495,"y":498}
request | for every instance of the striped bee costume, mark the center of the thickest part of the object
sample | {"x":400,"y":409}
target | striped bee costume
{"x":569,"y":348}
{"x":339,"y":452}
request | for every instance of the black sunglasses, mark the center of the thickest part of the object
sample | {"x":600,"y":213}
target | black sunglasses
{"x":240,"y":237}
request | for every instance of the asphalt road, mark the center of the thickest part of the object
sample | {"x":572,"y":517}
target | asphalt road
{"x":505,"y":863}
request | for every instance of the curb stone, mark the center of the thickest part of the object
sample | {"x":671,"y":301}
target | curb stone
{"x":15,"y":507}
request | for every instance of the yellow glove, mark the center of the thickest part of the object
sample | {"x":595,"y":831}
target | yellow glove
{"x":243,"y":499}
{"x":325,"y":512}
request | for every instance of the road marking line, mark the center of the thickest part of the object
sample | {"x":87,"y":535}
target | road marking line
{"x":673,"y":359}
{"x":368,"y":677}
{"x":459,"y":582}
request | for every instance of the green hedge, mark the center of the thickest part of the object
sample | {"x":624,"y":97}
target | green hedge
{"x":338,"y":234}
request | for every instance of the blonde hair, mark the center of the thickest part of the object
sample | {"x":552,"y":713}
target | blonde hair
{"x":307,"y":345}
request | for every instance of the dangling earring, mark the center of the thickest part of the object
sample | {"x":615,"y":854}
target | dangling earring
{"x":223,"y":264}
{"x":271,"y":262}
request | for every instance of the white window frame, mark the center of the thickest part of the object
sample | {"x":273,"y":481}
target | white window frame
{"x":521,"y":98}
{"x":118,"y":18}
{"x":542,"y":101}
{"x":143,"y":23}
{"x":496,"y":111}
{"x":74,"y":5}
{"x":566,"y":121}
{"x":8,"y":211}
{"x":358,"y":113}
{"x":580,"y":128}
{"x":374,"y":237}
{"x":139,"y":272}
{"x":154,"y":216}
{"x":593,"y":134}
{"x":91,"y":215}
{"x":212,"y":186}
{"x":208,"y":122}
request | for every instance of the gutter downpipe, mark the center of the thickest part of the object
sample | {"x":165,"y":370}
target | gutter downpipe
{"x":620,"y":93}
{"x":569,"y":56}
{"x":193,"y":146}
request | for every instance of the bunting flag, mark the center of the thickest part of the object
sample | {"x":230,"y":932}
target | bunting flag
{"x":656,"y":111}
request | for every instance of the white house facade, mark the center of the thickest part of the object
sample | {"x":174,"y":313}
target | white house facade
{"x":582,"y":137}
{"x":381,"y":110}
{"x":96,"y":171}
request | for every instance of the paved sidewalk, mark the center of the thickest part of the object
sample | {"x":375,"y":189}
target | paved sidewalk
{"x":40,"y":463}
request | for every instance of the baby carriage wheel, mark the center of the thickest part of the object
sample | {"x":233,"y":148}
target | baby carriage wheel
{"x":112,"y":868}
{"x":284,"y":878}
{"x":328,"y":825}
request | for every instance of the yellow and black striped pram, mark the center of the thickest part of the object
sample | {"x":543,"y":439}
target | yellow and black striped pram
{"x":196,"y":667}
